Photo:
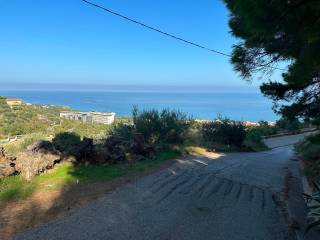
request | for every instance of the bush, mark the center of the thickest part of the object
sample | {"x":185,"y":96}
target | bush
{"x":313,"y":202}
{"x":122,"y":130}
{"x":265,"y":129}
{"x":309,"y":150}
{"x":254,"y":140}
{"x":225,"y":132}
{"x":156,"y":127}
{"x":254,"y":136}
{"x":161,"y":127}
{"x":66,"y":142}
{"x":148,"y":132}
{"x":291,"y":125}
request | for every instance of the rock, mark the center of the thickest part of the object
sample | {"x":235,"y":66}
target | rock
{"x":38,"y":157}
{"x":7,"y":164}
{"x":43,"y":147}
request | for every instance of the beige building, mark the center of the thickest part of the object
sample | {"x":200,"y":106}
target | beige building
{"x":89,"y":117}
{"x":13,"y":101}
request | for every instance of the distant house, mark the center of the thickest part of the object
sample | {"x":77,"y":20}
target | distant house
{"x":89,"y":117}
{"x":13,"y":101}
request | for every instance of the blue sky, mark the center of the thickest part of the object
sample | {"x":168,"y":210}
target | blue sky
{"x":69,"y":42}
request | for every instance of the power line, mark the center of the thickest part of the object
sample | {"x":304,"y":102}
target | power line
{"x":156,"y":30}
{"x":162,"y":32}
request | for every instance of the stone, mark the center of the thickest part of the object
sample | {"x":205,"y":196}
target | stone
{"x":38,"y":158}
{"x":7,"y":164}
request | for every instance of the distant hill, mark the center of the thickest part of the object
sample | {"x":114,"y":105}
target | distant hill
{"x":26,"y":119}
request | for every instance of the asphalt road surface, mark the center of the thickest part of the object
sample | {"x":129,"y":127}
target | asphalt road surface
{"x":233,"y":196}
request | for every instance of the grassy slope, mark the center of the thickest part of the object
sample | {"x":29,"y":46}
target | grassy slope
{"x":15,"y":187}
{"x":35,"y":119}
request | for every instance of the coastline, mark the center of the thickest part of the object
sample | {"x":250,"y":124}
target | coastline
{"x":251,"y":107}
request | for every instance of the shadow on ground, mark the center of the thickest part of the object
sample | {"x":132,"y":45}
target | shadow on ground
{"x":50,"y":202}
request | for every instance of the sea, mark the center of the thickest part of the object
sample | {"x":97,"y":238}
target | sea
{"x":241,"y":105}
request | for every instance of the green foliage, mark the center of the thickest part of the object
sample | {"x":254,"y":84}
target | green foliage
{"x":22,"y":144}
{"x":157,"y":127}
{"x":80,"y":128}
{"x":123,"y":130}
{"x":265,"y":129}
{"x":29,"y":119}
{"x":314,"y":208}
{"x":291,"y":125}
{"x":254,"y":136}
{"x":225,"y":132}
{"x":272,"y":32}
{"x":24,"y":119}
{"x":15,"y":187}
{"x":309,"y":150}
{"x":164,"y":126}
{"x":312,"y":170}
{"x":254,"y":140}
{"x":194,"y":135}
{"x":66,"y":142}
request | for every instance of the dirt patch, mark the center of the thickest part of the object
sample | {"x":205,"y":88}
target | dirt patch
{"x":46,"y":205}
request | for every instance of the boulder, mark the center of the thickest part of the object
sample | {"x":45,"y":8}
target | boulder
{"x":38,"y":157}
{"x":7,"y":164}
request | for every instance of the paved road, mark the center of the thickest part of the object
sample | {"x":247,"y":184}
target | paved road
{"x":234,"y":196}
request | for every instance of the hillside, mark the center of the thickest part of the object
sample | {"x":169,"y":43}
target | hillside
{"x":30,"y":119}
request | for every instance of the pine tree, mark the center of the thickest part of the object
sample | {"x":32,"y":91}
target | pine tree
{"x":273,"y":31}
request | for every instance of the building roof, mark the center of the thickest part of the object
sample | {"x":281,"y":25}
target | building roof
{"x":12,"y":99}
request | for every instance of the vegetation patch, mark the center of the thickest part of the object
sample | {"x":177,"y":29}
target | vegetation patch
{"x":16,"y":187}
{"x":38,"y":121}
{"x":309,"y":150}
{"x":22,"y":144}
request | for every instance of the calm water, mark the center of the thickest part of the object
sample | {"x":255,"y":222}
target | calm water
{"x":241,"y":106}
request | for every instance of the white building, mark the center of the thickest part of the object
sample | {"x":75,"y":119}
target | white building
{"x":89,"y":117}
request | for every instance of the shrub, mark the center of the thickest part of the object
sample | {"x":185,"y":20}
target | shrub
{"x":292,"y":125}
{"x":254,"y":136}
{"x":254,"y":140}
{"x":309,"y":149}
{"x":313,"y":202}
{"x":148,"y":132}
{"x":122,"y":130}
{"x":66,"y":142}
{"x":224,"y":131}
{"x":161,"y":127}
{"x":312,"y":170}
{"x":265,"y":129}
{"x":157,"y":127}
{"x":194,"y":135}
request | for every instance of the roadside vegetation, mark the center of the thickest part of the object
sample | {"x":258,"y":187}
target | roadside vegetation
{"x":56,"y":152}
{"x":313,"y":202}
{"x":309,"y":152}
{"x":16,"y":187}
